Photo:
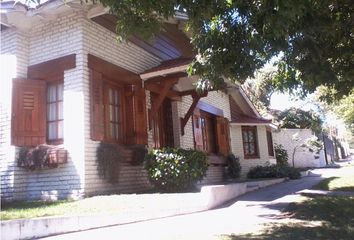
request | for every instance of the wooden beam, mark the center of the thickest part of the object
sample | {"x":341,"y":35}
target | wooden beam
{"x":196,"y":99}
{"x":156,"y":88}
{"x":113,"y":71}
{"x":163,"y":78}
{"x":166,"y":85}
{"x":52,"y":67}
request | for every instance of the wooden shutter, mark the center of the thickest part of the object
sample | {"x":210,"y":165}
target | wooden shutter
{"x":28,"y":112}
{"x":223,"y":135}
{"x":197,"y":130}
{"x":97,"y":108}
{"x":139,"y":103}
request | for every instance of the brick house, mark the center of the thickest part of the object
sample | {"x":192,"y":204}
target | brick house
{"x":67,"y":82}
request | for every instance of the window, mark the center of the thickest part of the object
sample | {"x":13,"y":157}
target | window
{"x":113,"y":113}
{"x":250,"y":145}
{"x":270,"y":143}
{"x":118,"y":110}
{"x":211,"y":133}
{"x":55,"y":112}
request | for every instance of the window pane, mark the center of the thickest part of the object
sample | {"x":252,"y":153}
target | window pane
{"x":110,"y":95}
{"x":252,"y":149}
{"x":60,"y":129}
{"x":246,"y":149}
{"x":52,"y":112}
{"x":52,"y":131}
{"x":244,"y":135}
{"x":116,"y":132}
{"x":111,"y":112}
{"x":60,"y":110}
{"x":250,"y":136}
{"x":116,"y":97}
{"x":51,"y":95}
{"x":60,"y":91}
{"x":116,"y":112}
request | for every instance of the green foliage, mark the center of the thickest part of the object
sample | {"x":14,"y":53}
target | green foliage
{"x":300,"y":119}
{"x":234,"y":167}
{"x":108,"y":159}
{"x":274,"y":171}
{"x":312,"y":39}
{"x":175,"y":169}
{"x":314,"y":144}
{"x":260,"y":89}
{"x":281,"y":155}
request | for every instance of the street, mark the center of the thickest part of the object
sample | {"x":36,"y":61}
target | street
{"x":243,"y":215}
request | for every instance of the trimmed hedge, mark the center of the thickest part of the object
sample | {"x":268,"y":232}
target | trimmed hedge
{"x":274,"y":171}
{"x":175,"y":169}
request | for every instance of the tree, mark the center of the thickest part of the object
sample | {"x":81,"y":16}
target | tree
{"x":300,"y":119}
{"x":260,"y":90}
{"x":343,"y":109}
{"x":314,"y":40}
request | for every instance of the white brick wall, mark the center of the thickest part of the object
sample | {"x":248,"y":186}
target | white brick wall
{"x":44,"y":42}
{"x":8,"y":71}
{"x":103,"y":44}
{"x":237,"y":149}
{"x":303,"y":157}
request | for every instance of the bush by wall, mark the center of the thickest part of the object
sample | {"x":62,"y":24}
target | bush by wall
{"x":234,"y":167}
{"x":274,"y":171}
{"x":108,"y":159}
{"x":281,"y":155}
{"x":175,"y":169}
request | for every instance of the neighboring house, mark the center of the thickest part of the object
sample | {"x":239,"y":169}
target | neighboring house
{"x":303,"y":157}
{"x":66,"y":81}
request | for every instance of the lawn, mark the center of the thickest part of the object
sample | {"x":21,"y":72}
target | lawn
{"x":344,"y":183}
{"x":94,"y":205}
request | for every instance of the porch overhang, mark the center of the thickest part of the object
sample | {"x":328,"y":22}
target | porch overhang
{"x":243,"y":120}
{"x":169,"y":79}
{"x":167,"y":68}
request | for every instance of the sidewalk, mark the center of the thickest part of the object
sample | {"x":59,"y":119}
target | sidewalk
{"x":177,"y":204}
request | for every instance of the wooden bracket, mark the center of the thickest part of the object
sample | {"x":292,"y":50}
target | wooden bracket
{"x":166,"y":85}
{"x":196,"y":99}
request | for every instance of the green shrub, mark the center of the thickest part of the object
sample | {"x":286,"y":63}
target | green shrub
{"x":273,"y":171}
{"x":281,"y":155}
{"x":233,"y":168}
{"x":175,"y":169}
{"x":108,"y":158}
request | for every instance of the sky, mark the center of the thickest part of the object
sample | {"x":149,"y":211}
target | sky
{"x":282,"y":101}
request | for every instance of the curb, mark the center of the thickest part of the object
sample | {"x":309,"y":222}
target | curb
{"x":208,"y":198}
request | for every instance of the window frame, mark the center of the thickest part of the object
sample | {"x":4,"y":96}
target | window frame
{"x":107,"y":85}
{"x":253,"y":129}
{"x":56,"y":140}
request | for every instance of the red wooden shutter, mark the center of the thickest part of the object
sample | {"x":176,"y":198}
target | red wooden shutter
{"x":28,"y":112}
{"x":222,"y":131}
{"x":139,"y":103}
{"x":97,"y":108}
{"x":197,"y":129}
